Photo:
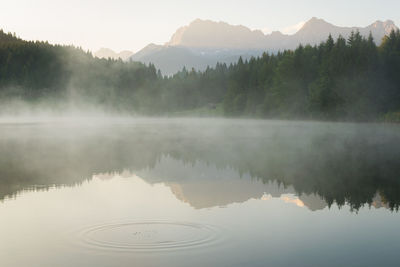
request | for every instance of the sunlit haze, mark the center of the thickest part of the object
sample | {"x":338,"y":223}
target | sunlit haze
{"x":199,"y":133}
{"x":131,"y":25}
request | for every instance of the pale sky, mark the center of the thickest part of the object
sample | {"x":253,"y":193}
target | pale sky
{"x":131,"y":25}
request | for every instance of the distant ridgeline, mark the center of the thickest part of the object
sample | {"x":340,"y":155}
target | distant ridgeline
{"x":339,"y":79}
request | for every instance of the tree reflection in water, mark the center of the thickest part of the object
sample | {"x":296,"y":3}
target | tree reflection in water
{"x":353,"y":164}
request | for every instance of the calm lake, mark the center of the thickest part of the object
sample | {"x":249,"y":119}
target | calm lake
{"x":198,"y":192}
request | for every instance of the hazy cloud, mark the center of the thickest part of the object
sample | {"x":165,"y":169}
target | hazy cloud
{"x":286,"y":30}
{"x":293,"y":28}
{"x":266,"y":30}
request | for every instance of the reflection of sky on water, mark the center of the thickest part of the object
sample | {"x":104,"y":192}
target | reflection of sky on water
{"x":204,"y":192}
{"x":265,"y":229}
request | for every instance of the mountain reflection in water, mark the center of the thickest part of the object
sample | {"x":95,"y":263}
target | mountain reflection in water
{"x":209,"y":163}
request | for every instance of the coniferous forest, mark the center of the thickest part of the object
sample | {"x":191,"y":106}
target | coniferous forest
{"x":339,"y":79}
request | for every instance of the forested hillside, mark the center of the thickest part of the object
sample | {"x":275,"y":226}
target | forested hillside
{"x":40,"y":72}
{"x":339,"y":79}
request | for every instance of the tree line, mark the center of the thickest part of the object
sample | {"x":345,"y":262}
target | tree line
{"x":339,"y":79}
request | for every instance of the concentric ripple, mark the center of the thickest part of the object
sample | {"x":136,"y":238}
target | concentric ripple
{"x":149,"y":236}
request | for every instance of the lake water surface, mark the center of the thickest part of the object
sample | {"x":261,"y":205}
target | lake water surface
{"x":198,"y":192}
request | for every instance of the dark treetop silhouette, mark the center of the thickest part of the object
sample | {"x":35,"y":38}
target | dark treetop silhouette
{"x":336,"y":80}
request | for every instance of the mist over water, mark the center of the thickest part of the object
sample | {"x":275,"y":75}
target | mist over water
{"x":108,"y":191}
{"x":314,"y":157}
{"x":163,"y":159}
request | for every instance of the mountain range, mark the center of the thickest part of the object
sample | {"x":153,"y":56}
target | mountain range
{"x":108,"y":53}
{"x":203,"y":43}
